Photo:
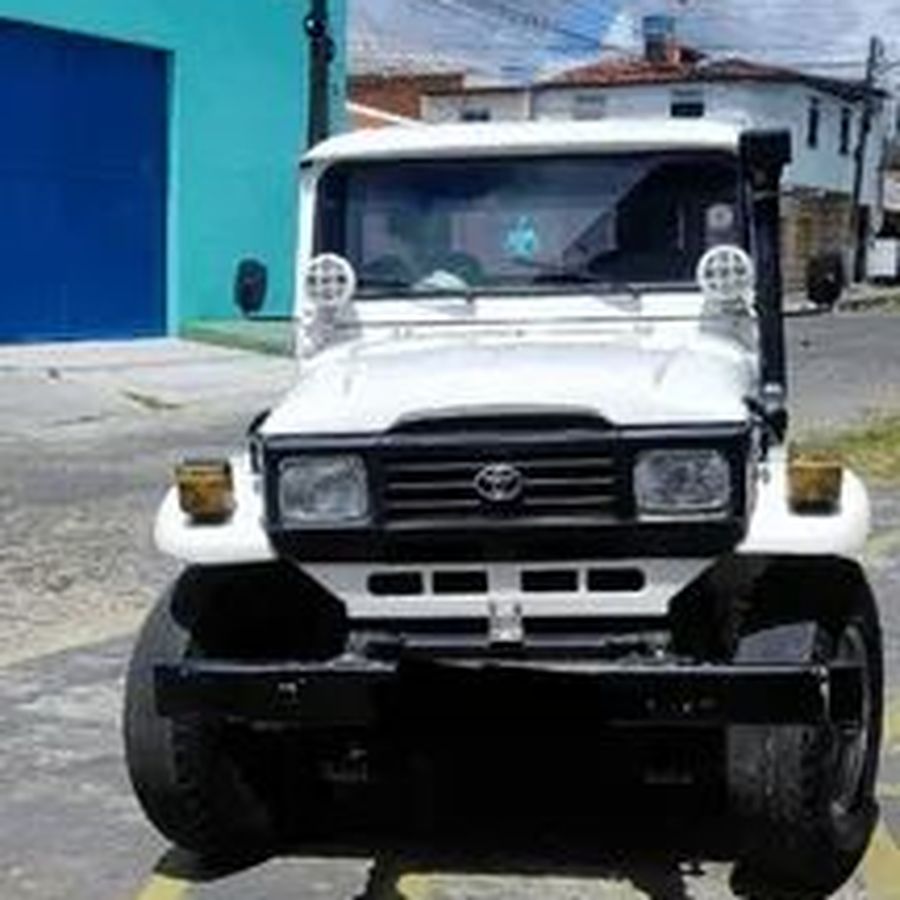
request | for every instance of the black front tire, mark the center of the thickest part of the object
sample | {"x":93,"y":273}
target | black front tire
{"x":183,"y":770}
{"x":805,"y":795}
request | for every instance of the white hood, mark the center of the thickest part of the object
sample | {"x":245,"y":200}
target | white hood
{"x":370,"y":387}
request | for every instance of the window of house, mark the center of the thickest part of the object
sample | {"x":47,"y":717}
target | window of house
{"x":846,"y":123}
{"x":813,"y":119}
{"x":475,"y":114}
{"x":589,"y":106}
{"x":687,"y":103}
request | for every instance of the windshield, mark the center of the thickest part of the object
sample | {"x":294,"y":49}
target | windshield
{"x":527,"y":225}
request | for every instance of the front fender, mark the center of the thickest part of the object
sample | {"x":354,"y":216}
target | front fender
{"x":775,"y":529}
{"x":242,"y":539}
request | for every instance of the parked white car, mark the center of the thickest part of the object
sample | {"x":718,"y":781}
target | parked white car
{"x":539,"y":432}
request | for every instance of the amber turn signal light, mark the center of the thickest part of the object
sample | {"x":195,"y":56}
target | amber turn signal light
{"x":205,"y":489}
{"x":815,"y":479}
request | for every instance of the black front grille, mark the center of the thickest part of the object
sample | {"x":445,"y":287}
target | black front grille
{"x":556,"y":483}
{"x":576,"y":500}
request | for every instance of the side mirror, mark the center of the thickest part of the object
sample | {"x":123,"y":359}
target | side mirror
{"x":764,"y":154}
{"x":251,"y":281}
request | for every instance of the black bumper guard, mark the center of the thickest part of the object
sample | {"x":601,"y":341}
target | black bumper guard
{"x":350,"y":692}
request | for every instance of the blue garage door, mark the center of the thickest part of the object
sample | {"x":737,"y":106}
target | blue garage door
{"x":82,"y":186}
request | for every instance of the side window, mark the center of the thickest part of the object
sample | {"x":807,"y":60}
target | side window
{"x":813,"y":119}
{"x":687,"y":103}
{"x":475,"y":114}
{"x":589,"y":106}
{"x":846,"y":127}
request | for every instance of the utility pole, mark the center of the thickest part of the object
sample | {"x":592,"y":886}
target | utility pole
{"x":857,"y":237}
{"x":321,"y":54}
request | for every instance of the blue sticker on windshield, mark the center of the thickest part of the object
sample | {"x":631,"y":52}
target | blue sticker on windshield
{"x":522,"y":241}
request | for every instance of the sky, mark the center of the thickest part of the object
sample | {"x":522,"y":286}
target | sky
{"x":824,"y":35}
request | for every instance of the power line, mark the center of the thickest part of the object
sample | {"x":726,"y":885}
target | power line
{"x":521,"y":20}
{"x":526,"y":19}
{"x":519,"y":44}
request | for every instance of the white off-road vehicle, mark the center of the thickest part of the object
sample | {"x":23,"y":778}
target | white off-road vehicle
{"x":534,"y":473}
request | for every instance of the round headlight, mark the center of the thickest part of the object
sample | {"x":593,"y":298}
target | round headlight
{"x":323,"y":490}
{"x":682,"y":482}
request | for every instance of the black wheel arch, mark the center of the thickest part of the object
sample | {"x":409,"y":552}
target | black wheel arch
{"x":740,"y":592}
{"x":258,"y":611}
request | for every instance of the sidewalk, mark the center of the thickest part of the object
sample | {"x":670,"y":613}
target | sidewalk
{"x":871,"y":296}
{"x":857,"y":297}
{"x":47,"y":386}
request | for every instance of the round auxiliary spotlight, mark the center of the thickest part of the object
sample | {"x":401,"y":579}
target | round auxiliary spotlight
{"x":330,"y":280}
{"x":726,"y":272}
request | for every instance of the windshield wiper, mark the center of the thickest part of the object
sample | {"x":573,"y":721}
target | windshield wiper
{"x":595,"y":284}
{"x":384,"y":284}
{"x":558,"y":274}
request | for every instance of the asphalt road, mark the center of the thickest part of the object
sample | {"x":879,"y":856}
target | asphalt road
{"x":87,"y":438}
{"x":843,"y":368}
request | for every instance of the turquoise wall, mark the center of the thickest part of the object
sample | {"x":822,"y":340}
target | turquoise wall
{"x":238,"y":88}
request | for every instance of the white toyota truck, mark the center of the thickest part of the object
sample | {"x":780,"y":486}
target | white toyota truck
{"x":534,"y":473}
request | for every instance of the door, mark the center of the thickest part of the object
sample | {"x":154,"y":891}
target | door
{"x":82,"y":186}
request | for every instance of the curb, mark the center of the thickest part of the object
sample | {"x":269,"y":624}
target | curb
{"x":865,"y":304}
{"x":268,"y":338}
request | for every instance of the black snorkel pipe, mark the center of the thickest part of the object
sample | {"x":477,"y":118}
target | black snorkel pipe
{"x":764,"y":155}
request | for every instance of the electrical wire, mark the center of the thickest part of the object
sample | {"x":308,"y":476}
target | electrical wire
{"x":524,"y":19}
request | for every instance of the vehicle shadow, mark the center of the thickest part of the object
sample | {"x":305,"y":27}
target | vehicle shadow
{"x":621,"y":852}
{"x":654,"y":876}
{"x":533,"y":820}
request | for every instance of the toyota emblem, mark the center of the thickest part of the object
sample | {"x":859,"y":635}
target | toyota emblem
{"x":499,"y":483}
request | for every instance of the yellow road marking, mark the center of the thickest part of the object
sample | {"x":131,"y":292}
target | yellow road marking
{"x":881,"y":867}
{"x":161,"y":887}
{"x":415,"y":887}
{"x":892,"y":723}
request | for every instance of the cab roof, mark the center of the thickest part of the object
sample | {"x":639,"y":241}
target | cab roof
{"x":529,"y":138}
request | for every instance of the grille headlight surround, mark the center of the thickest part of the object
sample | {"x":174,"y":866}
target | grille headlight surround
{"x":320,"y":490}
{"x":682,"y":483}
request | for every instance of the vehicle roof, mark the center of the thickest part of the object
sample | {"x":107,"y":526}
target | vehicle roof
{"x":531,"y":138}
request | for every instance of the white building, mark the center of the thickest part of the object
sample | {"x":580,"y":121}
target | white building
{"x":823,"y":114}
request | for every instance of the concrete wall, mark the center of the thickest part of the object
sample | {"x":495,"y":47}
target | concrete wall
{"x":400,"y":94}
{"x":238,"y":87}
{"x":504,"y":106}
{"x":812,"y":223}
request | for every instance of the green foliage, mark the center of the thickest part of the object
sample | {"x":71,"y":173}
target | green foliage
{"x":873,"y":450}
